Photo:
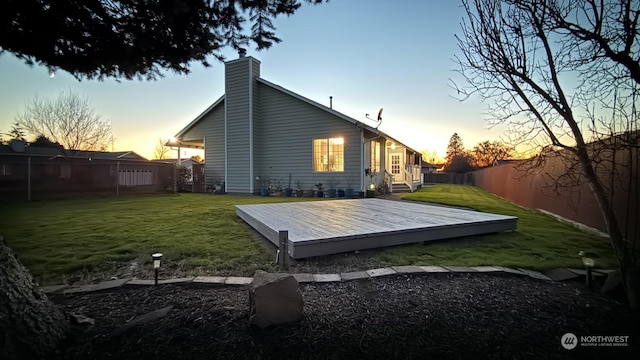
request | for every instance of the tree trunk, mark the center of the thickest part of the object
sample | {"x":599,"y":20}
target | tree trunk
{"x":31,"y":326}
{"x":629,"y":270}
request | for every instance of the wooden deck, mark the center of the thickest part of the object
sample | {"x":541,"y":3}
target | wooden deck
{"x":334,"y":226}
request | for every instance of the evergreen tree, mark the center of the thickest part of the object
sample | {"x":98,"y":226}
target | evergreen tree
{"x":17,"y":132}
{"x":135,"y":39}
{"x":455,"y":148}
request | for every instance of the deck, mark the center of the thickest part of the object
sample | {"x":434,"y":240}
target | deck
{"x":335,"y":226}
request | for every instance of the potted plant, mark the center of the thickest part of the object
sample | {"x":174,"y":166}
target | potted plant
{"x":219,"y":187}
{"x":299,"y":191}
{"x":371,"y":188}
{"x":319,"y":191}
{"x":288,"y":191}
{"x":348,"y":192}
{"x":264,"y":185}
{"x":331,"y":187}
{"x":277,"y":187}
{"x":310,"y":192}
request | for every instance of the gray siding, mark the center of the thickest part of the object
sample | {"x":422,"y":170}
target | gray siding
{"x":287,"y":127}
{"x":238,"y":111}
{"x":198,"y":131}
{"x":214,"y":147}
{"x":211,"y":129}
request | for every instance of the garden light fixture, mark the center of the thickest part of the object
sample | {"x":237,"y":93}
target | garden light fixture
{"x":588,"y":263}
{"x":156,"y":264}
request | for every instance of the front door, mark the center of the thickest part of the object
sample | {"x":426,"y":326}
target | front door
{"x":396,"y":159}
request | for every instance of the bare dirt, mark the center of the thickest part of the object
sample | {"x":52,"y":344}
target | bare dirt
{"x":436,"y":316}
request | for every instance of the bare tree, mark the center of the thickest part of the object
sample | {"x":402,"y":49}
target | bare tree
{"x":563,"y":75}
{"x":431,"y":156}
{"x":487,"y":153}
{"x":161,"y":151}
{"x":69,"y":120}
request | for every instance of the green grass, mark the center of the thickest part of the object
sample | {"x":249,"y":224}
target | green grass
{"x":200,"y":233}
{"x":57,"y":238}
{"x":540,"y":241}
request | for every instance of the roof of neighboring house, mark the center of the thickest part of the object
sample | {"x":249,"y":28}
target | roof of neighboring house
{"x":299,"y":97}
{"x":58,"y":152}
{"x":504,"y":161}
{"x":182,"y":161}
{"x":429,"y":165}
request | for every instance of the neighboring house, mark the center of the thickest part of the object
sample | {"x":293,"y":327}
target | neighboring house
{"x":504,"y":161}
{"x":195,"y":182}
{"x":428,"y":168}
{"x":259,"y":132}
{"x":46,"y":169}
{"x":188,"y":163}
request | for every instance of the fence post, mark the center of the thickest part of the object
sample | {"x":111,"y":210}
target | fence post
{"x":283,"y":248}
{"x":175,"y":176}
{"x":117,"y":178}
{"x":29,"y":178}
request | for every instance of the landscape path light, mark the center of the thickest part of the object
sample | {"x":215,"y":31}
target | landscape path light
{"x":588,"y":262}
{"x":157,"y":257}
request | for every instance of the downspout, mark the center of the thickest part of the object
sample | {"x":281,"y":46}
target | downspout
{"x":362,"y":142}
{"x":362,"y":180}
{"x":226,"y":150}
{"x":251,"y":181}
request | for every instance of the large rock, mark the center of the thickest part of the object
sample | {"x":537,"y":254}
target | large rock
{"x":274,"y":299}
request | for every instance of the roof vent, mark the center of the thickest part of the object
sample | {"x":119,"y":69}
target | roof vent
{"x":17,"y":145}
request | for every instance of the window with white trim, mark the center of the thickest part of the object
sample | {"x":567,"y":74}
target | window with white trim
{"x":328,"y":154}
{"x":375,"y":156}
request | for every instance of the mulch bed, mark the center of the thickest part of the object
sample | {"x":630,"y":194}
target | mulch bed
{"x":457,"y":316}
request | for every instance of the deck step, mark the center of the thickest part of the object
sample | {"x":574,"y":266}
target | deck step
{"x":399,"y":188}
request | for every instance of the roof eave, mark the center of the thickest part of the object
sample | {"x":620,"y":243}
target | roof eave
{"x":200,"y":117}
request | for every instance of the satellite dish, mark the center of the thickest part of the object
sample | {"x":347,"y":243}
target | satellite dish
{"x":379,"y":118}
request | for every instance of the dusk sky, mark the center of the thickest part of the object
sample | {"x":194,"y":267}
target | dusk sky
{"x":367,"y":54}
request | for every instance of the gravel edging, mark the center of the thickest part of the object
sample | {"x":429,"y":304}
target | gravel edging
{"x":402,"y":316}
{"x":306,"y":278}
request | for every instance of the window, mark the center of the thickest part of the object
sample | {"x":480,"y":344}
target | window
{"x":328,"y":154}
{"x":375,"y":156}
{"x":395,"y":164}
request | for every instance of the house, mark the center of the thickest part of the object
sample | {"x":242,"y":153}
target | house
{"x":195,"y":182}
{"x":428,"y":168}
{"x":188,"y":163}
{"x":499,"y":162}
{"x":27,"y":169}
{"x":259,"y":134}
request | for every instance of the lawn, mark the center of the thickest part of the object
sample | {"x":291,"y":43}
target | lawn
{"x":540,"y":241}
{"x":200,"y":234}
{"x":193,"y":231}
